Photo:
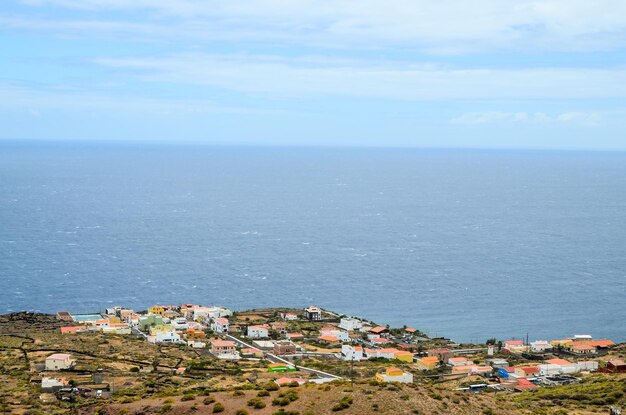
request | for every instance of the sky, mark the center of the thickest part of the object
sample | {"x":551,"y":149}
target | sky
{"x":408,"y":73}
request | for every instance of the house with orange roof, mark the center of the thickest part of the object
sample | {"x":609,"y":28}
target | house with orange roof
{"x":289,"y":381}
{"x":394,"y":374}
{"x":428,"y":363}
{"x":333,"y":331}
{"x":459,"y":361}
{"x":224,"y":349}
{"x":72,"y":329}
{"x":220,"y":325}
{"x":514,"y":346}
{"x":524,"y":384}
{"x":352,"y":353}
{"x":527,"y":371}
{"x":294,"y":336}
{"x":378,"y":331}
{"x":379,"y":341}
{"x":328,"y":338}
{"x":582,"y":348}
{"x":442,"y":354}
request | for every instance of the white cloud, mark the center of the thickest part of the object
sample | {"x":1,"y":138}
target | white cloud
{"x":442,"y":26}
{"x":306,"y":77}
{"x":487,"y":117}
{"x":38,"y":98}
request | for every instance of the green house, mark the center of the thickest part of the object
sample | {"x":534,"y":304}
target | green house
{"x":280,"y":368}
{"x":151,"y":320}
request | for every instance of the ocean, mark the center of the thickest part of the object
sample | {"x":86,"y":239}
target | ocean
{"x":467,"y":244}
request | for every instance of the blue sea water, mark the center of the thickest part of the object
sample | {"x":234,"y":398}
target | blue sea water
{"x":466,"y":244}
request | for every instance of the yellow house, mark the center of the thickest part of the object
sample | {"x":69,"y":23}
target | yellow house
{"x":428,"y":363}
{"x":157,"y":309}
{"x":393,"y":374}
{"x":403,"y":356}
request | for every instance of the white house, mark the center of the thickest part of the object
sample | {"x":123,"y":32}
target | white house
{"x":164,"y":336}
{"x":587,"y":365}
{"x":220,"y":325}
{"x":351,"y":353}
{"x":332,"y":331}
{"x":52,"y":384}
{"x":112,"y":311}
{"x":562,"y":366}
{"x":180,"y":323}
{"x":289,"y":316}
{"x":393,"y":374}
{"x":59,"y":361}
{"x":206,"y":313}
{"x":549,"y":370}
{"x":350,"y":324}
{"x":258,"y":332}
{"x":313,"y":313}
{"x":540,"y":346}
{"x":459,"y":361}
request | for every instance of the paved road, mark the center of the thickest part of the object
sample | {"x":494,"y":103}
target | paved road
{"x":276,"y":359}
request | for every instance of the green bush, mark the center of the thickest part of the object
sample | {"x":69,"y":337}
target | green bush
{"x":208,"y":400}
{"x":188,"y":397}
{"x":218,"y":407}
{"x":241,"y":412}
{"x":256,"y":403}
{"x":344,"y":403}
{"x":271,"y":386}
{"x":262,"y":393}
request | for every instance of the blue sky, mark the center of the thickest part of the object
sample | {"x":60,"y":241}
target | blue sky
{"x":446,"y":73}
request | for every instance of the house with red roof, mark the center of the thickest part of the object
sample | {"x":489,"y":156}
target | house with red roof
{"x":220,"y":325}
{"x":527,"y":371}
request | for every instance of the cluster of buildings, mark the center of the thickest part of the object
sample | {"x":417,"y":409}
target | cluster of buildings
{"x":348,"y":338}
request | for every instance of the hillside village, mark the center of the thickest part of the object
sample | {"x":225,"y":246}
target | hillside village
{"x":289,"y":347}
{"x":330,"y":336}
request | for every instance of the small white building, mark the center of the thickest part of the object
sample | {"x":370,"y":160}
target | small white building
{"x":350,"y":324}
{"x":351,"y":353}
{"x":180,"y":323}
{"x":549,"y":370}
{"x":393,"y":374}
{"x":313,"y":313}
{"x":220,"y":325}
{"x":459,"y":361}
{"x":289,"y":316}
{"x":332,"y":331}
{"x":60,"y":361}
{"x":258,"y":332}
{"x":112,"y":311}
{"x":164,"y":336}
{"x":196,"y":344}
{"x":540,"y":346}
{"x":587,"y":366}
{"x":52,"y":384}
